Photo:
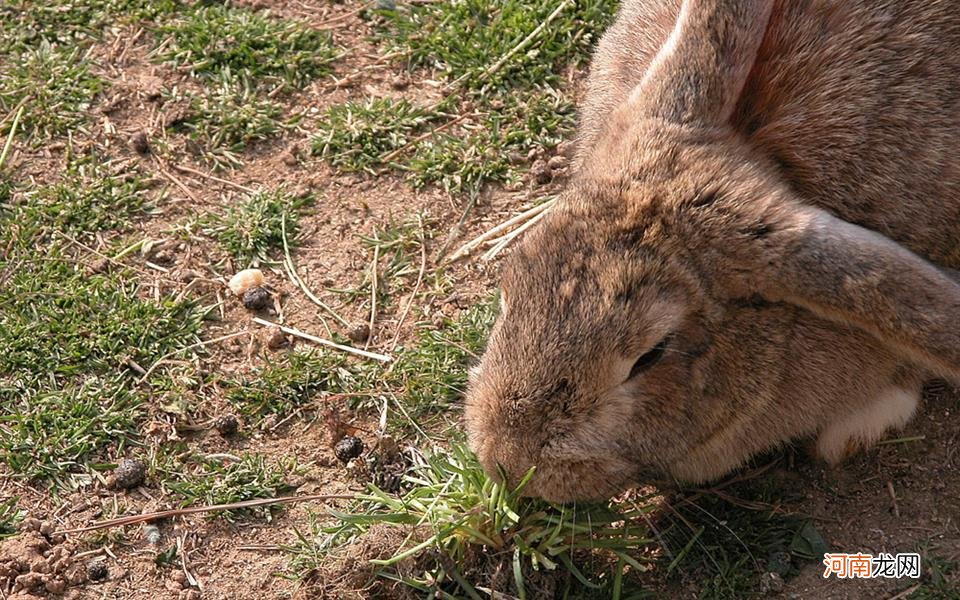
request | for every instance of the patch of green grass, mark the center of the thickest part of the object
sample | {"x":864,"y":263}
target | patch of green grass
{"x":229,"y":117}
{"x":67,"y":343}
{"x":89,"y":197}
{"x":426,"y":378}
{"x":221,"y":41}
{"x":942,"y":579}
{"x":355,"y":136}
{"x":432,"y":372}
{"x":462,"y":527}
{"x":10,"y":516}
{"x":219,"y":481}
{"x":50,"y":431}
{"x":487,"y":154}
{"x":461,"y":159}
{"x":252,"y":229}
{"x":25,"y":23}
{"x":56,"y":86}
{"x":465,"y":40}
{"x":281,"y":388}
{"x":71,"y":342}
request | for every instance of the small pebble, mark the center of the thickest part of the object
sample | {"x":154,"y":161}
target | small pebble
{"x":152,"y":533}
{"x":129,"y":474}
{"x":256,"y":298}
{"x":558,"y":162}
{"x":189,"y":275}
{"x":55,"y":585}
{"x":567,"y":148}
{"x":226,"y":425}
{"x":97,"y":570}
{"x":359,"y":334}
{"x":349,"y":447}
{"x":541,"y":172}
{"x":99,"y":266}
{"x":244,"y":280}
{"x":277,"y":340}
{"x":140,"y":143}
{"x":771,"y":583}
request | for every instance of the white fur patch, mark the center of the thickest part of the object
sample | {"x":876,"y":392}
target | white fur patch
{"x":892,"y":409}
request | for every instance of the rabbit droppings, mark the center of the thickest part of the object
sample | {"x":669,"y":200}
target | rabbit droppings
{"x":751,"y":250}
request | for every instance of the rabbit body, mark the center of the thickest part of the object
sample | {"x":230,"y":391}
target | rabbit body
{"x":751,"y":250}
{"x":856,"y":102}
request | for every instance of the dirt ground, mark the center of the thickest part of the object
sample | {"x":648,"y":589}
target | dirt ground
{"x":899,"y":497}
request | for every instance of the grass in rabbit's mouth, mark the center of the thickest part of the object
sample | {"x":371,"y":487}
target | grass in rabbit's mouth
{"x":461,"y":534}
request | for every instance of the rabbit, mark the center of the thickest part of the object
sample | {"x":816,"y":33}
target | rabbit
{"x":754,"y":248}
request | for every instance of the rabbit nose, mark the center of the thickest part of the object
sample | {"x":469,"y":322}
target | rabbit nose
{"x":501,"y":459}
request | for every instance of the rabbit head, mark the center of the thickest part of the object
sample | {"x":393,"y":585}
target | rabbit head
{"x":680,"y":309}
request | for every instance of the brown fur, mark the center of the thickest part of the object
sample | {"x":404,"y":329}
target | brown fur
{"x":761,"y":185}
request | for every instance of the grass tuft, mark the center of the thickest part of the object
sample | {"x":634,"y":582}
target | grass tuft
{"x":216,"y":481}
{"x":463,"y":40}
{"x":463,"y":527}
{"x":355,"y":136}
{"x":216,"y":40}
{"x":27,"y":23}
{"x":427,"y":378}
{"x":227,"y":118}
{"x":56,"y":86}
{"x":10,"y":517}
{"x":252,"y":229}
{"x":90,"y":197}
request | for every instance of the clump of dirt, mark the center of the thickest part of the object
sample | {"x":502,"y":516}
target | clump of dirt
{"x":32,"y":564}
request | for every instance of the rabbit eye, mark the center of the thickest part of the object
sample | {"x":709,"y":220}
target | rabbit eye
{"x":649,"y":359}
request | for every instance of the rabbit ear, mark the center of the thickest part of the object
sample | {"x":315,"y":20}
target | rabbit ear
{"x":851,"y":275}
{"x":698,"y":74}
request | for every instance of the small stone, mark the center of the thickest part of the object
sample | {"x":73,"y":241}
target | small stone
{"x":55,"y":585}
{"x":359,"y":334}
{"x":152,"y":86}
{"x":290,"y":160}
{"x":541,"y":171}
{"x":244,"y":280}
{"x":97,"y":570}
{"x":277,"y":340}
{"x":164,"y":258}
{"x":189,"y":275}
{"x":567,"y":148}
{"x":152,"y":533}
{"x":226,"y":425}
{"x":771,"y":583}
{"x":47,"y":527}
{"x":129,"y":474}
{"x":256,"y":298}
{"x":180,"y":577}
{"x":140,"y":143}
{"x":99,"y":266}
{"x":558,"y":162}
{"x":779,"y":562}
{"x":349,"y":447}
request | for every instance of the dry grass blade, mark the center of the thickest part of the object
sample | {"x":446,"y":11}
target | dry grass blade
{"x":506,"y":240}
{"x":297,"y":281}
{"x":168,"y":355}
{"x":323,"y":342}
{"x":469,"y":247}
{"x":237,"y":186}
{"x":179,"y":512}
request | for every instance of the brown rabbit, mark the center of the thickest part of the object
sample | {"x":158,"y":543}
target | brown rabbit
{"x":746,"y":253}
